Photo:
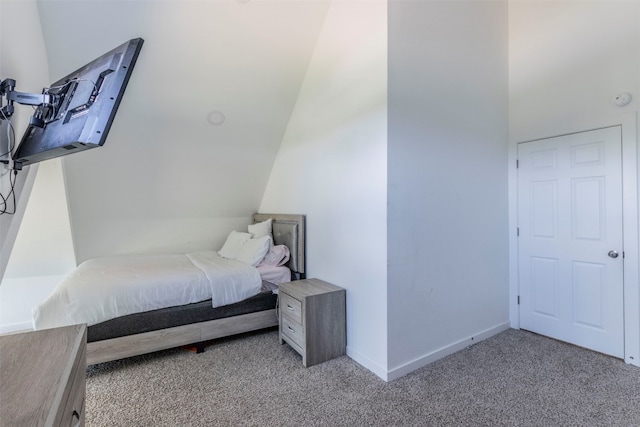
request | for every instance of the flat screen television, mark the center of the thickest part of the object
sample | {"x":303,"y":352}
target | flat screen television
{"x":82,"y":107}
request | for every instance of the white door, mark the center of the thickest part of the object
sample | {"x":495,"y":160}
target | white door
{"x":570,"y":239}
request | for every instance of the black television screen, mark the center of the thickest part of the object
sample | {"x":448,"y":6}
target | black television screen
{"x":82,"y":109}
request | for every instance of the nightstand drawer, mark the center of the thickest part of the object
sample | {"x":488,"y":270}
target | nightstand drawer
{"x":291,"y":307}
{"x":293,"y":331}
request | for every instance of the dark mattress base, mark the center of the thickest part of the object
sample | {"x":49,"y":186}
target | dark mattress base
{"x":177,"y":316}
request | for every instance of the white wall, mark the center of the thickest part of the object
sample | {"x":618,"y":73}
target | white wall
{"x":43,"y":245}
{"x":168,"y":179}
{"x":19,"y":296}
{"x":36,"y":241}
{"x":567,"y":61}
{"x":332,"y":167}
{"x":43,"y":252}
{"x":447,"y":186}
{"x":23,"y":58}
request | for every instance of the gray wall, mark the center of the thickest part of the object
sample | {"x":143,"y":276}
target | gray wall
{"x":447,"y":177}
{"x":332,"y":167}
{"x":22,"y":58}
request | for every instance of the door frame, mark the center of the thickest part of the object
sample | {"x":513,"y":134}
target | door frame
{"x":630,"y":224}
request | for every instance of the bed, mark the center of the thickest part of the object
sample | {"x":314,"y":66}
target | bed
{"x":174,"y":307}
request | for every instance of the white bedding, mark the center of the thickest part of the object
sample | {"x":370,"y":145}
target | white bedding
{"x":105,"y":288}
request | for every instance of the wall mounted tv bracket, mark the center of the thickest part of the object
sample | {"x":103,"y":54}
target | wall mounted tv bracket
{"x":8,"y":92}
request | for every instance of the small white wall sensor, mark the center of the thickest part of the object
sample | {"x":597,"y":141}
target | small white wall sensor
{"x":622,"y":99}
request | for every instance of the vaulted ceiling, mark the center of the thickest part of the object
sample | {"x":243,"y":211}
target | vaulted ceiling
{"x":204,"y":112}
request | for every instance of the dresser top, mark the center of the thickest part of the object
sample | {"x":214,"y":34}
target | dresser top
{"x":34,"y":369}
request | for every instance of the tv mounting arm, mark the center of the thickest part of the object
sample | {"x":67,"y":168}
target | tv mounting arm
{"x":7,"y":90}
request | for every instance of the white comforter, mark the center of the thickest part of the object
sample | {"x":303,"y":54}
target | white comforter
{"x":105,"y":288}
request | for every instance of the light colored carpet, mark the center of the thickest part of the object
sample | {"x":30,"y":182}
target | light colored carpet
{"x":513,"y":379}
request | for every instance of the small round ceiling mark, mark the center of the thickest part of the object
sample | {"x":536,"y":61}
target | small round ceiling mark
{"x":216,"y":118}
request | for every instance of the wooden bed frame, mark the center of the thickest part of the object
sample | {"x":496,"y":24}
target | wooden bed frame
{"x":133,"y":345}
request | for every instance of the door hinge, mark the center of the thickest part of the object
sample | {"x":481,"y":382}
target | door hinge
{"x":517,"y":163}
{"x":518,"y":299}
{"x":517,"y":231}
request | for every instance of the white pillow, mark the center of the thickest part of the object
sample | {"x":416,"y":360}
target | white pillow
{"x":254,"y":250}
{"x":235,"y":240}
{"x":261,"y":229}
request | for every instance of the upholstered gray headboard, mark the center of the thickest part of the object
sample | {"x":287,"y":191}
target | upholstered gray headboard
{"x":288,"y":230}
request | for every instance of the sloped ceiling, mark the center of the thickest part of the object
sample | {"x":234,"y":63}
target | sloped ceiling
{"x":168,"y":158}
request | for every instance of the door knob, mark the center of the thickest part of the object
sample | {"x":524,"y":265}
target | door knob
{"x":613,"y":254}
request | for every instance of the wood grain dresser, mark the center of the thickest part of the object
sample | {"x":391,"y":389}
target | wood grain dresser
{"x":43,"y":377}
{"x":313,"y":319}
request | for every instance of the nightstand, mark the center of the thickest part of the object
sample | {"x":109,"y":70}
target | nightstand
{"x":313,"y":319}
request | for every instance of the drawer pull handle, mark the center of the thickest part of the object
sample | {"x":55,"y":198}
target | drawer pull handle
{"x":291,"y":329}
{"x":289,"y":307}
{"x":76,"y":415}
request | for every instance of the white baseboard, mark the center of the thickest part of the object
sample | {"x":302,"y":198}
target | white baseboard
{"x":367,"y":363}
{"x":403,"y":370}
